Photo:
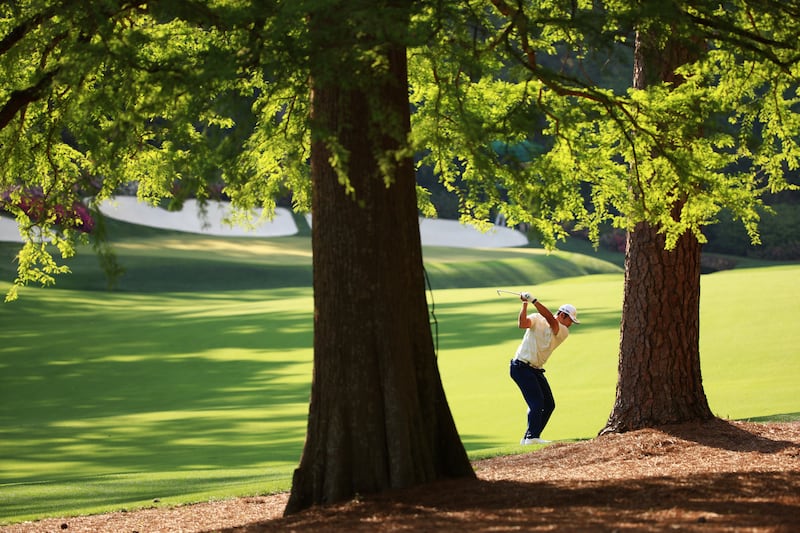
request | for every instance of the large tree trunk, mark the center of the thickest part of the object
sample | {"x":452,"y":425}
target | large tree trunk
{"x":659,"y":361}
{"x":378,"y":416}
{"x":659,"y":378}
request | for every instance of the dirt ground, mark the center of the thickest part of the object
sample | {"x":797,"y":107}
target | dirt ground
{"x":716,"y":476}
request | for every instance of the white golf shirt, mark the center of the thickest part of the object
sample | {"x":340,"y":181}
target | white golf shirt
{"x":539,"y":341}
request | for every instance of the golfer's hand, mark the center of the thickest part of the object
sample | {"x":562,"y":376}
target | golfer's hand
{"x":526,"y":297}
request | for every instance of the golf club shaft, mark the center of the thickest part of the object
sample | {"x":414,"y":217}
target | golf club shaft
{"x":499,"y":291}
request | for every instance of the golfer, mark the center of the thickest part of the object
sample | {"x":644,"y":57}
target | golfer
{"x":543,"y":334}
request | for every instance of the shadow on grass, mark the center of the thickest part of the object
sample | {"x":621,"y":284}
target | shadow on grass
{"x":190,"y":274}
{"x":481,"y":444}
{"x":782,"y":417}
{"x":149,"y":384}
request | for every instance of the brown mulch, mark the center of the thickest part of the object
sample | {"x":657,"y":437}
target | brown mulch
{"x":715,"y":476}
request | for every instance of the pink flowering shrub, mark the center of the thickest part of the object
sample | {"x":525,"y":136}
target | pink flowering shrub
{"x":33,"y":203}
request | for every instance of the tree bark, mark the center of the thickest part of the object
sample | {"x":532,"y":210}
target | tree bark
{"x":659,"y":378}
{"x":378,"y":416}
{"x":659,"y":361}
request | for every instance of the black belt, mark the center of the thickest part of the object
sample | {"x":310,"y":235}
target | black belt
{"x":526,"y":363}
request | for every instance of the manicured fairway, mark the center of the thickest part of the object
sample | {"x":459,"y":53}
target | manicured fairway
{"x":750,"y":341}
{"x":117,"y":399}
{"x":128,"y":398}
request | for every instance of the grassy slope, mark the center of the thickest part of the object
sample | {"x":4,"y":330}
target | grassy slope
{"x":191,"y":380}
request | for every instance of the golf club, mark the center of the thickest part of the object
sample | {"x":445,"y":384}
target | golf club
{"x":500,"y":291}
{"x":523,"y":295}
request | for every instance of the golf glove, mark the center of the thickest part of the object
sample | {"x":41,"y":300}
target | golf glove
{"x":527,"y":297}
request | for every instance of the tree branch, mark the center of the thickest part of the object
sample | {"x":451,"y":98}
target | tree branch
{"x":20,"y":31}
{"x":18,"y":100}
{"x":722,"y":30}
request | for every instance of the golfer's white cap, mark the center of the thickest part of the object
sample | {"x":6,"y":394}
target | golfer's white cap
{"x":570,"y":310}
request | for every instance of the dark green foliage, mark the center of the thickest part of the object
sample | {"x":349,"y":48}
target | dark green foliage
{"x":189,"y":99}
{"x":780,"y":239}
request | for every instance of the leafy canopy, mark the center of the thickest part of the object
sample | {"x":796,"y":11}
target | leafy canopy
{"x":188,"y":98}
{"x":673,"y":154}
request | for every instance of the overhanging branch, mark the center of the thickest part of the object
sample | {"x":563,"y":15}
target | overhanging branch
{"x":19,"y":99}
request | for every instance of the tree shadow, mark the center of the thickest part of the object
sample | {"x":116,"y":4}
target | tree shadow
{"x":723,"y":501}
{"x":723,"y":434}
{"x":138,"y":384}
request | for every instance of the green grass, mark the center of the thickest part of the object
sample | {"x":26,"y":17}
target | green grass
{"x":191,"y":381}
{"x":125,"y":389}
{"x":114,"y":492}
{"x":749,"y":341}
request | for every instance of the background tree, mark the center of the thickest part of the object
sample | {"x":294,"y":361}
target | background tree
{"x":659,"y":371}
{"x":660,"y":331}
{"x":710,"y":124}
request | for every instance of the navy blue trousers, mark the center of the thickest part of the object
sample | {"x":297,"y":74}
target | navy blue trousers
{"x":536,"y":391}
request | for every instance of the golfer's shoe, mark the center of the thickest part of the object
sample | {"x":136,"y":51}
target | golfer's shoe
{"x":525,"y":442}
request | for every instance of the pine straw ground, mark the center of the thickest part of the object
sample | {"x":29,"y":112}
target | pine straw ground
{"x":716,"y":476}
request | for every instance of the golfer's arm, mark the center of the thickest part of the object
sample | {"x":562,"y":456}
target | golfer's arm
{"x":524,"y":321}
{"x":545,"y":312}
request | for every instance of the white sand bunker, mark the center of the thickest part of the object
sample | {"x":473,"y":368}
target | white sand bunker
{"x":438,"y":232}
{"x":453,"y":234}
{"x":9,"y":231}
{"x":191,"y":219}
{"x":434,"y":232}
